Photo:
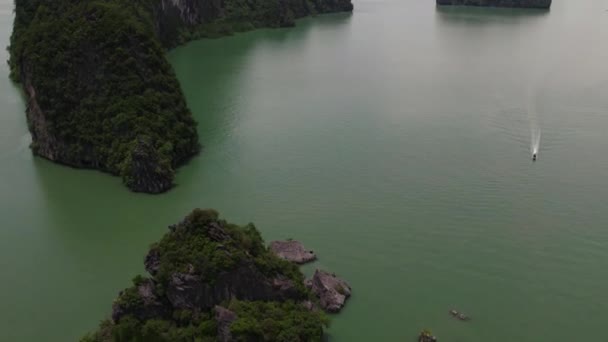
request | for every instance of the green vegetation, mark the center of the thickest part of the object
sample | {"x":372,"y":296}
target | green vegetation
{"x":256,"y":321}
{"x":203,"y":246}
{"x":101,"y":93}
{"x":203,"y":329}
{"x":104,"y":88}
{"x":273,"y":321}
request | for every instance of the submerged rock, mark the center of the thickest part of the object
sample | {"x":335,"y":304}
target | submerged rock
{"x":459,"y":315}
{"x":426,"y":336}
{"x":293,"y":251}
{"x":331,"y":290}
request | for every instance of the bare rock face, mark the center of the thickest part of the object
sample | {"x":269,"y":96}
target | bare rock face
{"x":224,"y":319}
{"x":292,"y":251}
{"x":149,"y":305}
{"x":152,"y":262}
{"x":331,"y":290}
{"x":172,"y":16}
{"x":146,"y":170}
{"x":192,"y":291}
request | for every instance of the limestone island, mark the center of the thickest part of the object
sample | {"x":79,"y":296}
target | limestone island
{"x":498,"y":3}
{"x":100,"y":92}
{"x":210,"y":280}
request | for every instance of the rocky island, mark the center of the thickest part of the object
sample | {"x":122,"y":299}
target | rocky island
{"x":210,"y":280}
{"x":100,"y":92}
{"x":498,"y":3}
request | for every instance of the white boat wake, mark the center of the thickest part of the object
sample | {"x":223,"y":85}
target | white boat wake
{"x":535,"y":133}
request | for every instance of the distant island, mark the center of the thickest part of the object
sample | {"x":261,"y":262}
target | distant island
{"x":211,"y":280}
{"x":100,"y":92}
{"x":498,"y":3}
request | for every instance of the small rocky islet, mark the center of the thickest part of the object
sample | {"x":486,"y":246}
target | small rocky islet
{"x":293,"y":251}
{"x":210,"y":280}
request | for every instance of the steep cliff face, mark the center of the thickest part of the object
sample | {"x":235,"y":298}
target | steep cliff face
{"x":177,"y":21}
{"x":499,"y":3}
{"x":205,"y":263}
{"x":100,"y":92}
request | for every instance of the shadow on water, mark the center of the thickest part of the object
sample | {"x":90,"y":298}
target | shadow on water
{"x":214,"y":75}
{"x":210,"y":70}
{"x":485,"y":15}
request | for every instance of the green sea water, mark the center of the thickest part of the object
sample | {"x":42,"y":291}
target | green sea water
{"x":395,"y":142}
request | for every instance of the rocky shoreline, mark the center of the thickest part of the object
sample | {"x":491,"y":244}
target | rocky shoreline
{"x":331,"y":291}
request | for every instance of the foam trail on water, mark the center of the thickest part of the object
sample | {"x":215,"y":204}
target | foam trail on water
{"x":535,"y":141}
{"x":535,"y":133}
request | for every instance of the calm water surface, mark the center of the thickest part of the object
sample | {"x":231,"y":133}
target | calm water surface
{"x":395,"y":142}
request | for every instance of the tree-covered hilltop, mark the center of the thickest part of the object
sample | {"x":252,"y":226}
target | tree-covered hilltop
{"x":211,"y":280}
{"x":100,"y":91}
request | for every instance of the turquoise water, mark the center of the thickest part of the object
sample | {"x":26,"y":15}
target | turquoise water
{"x":395,"y":142}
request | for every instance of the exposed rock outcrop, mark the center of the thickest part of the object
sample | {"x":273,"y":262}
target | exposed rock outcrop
{"x":140,"y":302}
{"x":211,"y":266}
{"x":172,"y":17}
{"x":293,"y":251}
{"x":224,"y":319}
{"x":145,"y":170}
{"x":499,"y":3}
{"x":152,"y":261}
{"x":45,"y":144}
{"x":194,"y":292}
{"x":331,"y":290}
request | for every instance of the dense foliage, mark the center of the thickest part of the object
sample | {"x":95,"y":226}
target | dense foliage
{"x":100,"y":78}
{"x":204,"y":245}
{"x":210,"y":245}
{"x":101,"y":93}
{"x":256,"y":321}
{"x":272,"y":321}
{"x":129,"y":329}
